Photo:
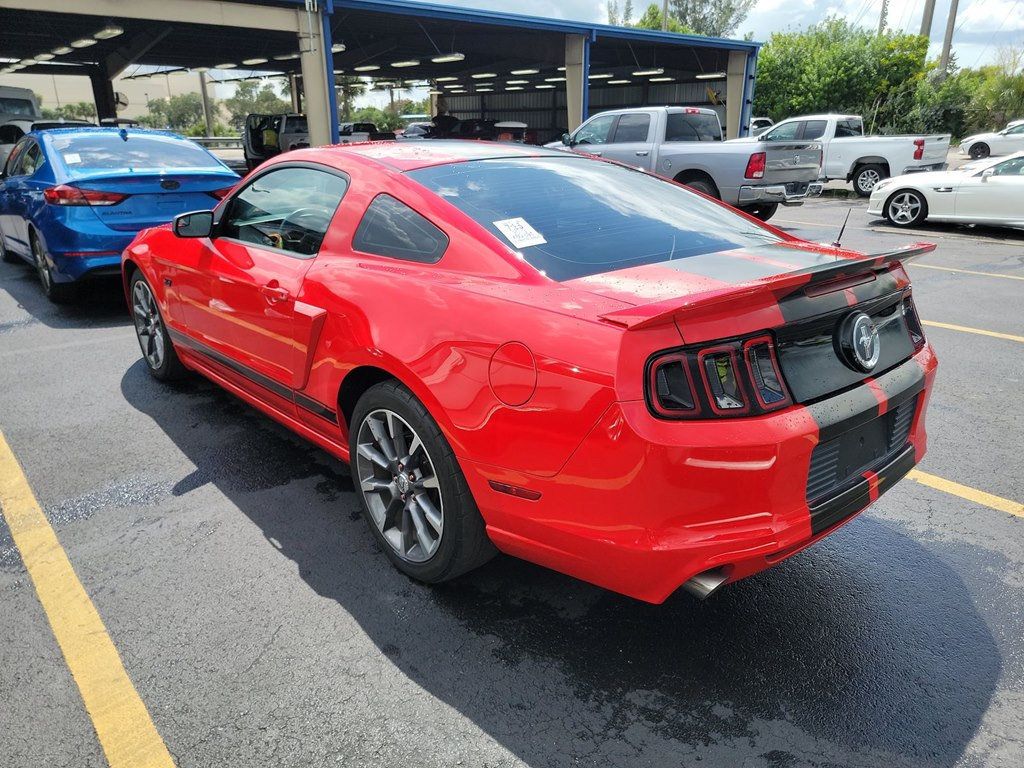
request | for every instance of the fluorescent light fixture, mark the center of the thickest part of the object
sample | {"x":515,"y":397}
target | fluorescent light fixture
{"x":286,"y":56}
{"x":28,"y":62}
{"x":484,"y":75}
{"x":201,"y":70}
{"x":405,"y":63}
{"x":601,"y":76}
{"x":45,"y":57}
{"x":61,"y":50}
{"x":445,"y":79}
{"x":554,"y":79}
{"x":85,"y":42}
{"x":366,"y":68}
{"x":617,"y":82}
{"x":108,"y":32}
{"x":485,"y":90}
{"x":253,"y":62}
{"x":453,"y":85}
{"x":337,"y":48}
{"x":483,"y":85}
{"x":517,"y":82}
{"x":447,"y":58}
{"x":649,"y":72}
{"x":561,"y":69}
{"x":225,"y":65}
{"x":543,"y":85}
{"x":711,"y":76}
{"x":661,"y":80}
{"x":514,"y":88}
{"x":435,"y":92}
{"x":525,"y":71}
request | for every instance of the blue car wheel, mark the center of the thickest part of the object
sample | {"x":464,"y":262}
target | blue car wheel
{"x":58,"y":293}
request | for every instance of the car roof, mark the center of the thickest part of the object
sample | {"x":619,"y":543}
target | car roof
{"x":89,"y":130}
{"x":402,"y":156}
{"x":825,"y":116}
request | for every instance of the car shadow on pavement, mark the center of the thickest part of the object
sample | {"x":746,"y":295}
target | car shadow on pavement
{"x":865,"y":650}
{"x":100,"y":304}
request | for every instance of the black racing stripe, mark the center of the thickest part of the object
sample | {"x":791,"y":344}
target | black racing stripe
{"x":748,"y":264}
{"x":303,"y":401}
{"x":901,"y":384}
{"x":797,"y":305}
{"x":837,"y":508}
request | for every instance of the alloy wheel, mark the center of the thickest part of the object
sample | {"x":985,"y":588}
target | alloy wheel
{"x":866,"y":180}
{"x":904,"y":208}
{"x":42,"y":268}
{"x":148,"y":324}
{"x":399,"y":484}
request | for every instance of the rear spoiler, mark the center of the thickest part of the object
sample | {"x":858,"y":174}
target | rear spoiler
{"x":784,"y":283}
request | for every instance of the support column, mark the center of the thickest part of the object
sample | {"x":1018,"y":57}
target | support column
{"x":313,"y":59}
{"x":735,"y":92}
{"x":293,"y":87}
{"x":207,"y":107}
{"x":103,"y":94}
{"x":575,"y":79}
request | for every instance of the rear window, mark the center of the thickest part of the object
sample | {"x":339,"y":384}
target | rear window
{"x":846,"y":129}
{"x":108,"y":151}
{"x":21,"y":107}
{"x":692,"y":127}
{"x":571,"y":217}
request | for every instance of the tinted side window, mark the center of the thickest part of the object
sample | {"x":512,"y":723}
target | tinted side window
{"x":814,"y":129}
{"x":1017,"y":130}
{"x":847,"y":129}
{"x":1014,"y":167}
{"x":391,"y":228}
{"x":31,"y":160}
{"x":632,"y":128}
{"x":596,"y":131}
{"x":784,"y":132}
{"x":692,"y":127}
{"x":288,"y":208}
{"x":14,"y":158}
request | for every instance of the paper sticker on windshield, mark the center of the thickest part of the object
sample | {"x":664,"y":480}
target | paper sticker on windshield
{"x":520,"y":233}
{"x":72,"y":158}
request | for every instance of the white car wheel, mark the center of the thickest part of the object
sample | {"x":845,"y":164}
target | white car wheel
{"x":906,"y":208}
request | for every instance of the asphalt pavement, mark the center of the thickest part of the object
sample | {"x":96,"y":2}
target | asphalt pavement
{"x":260,"y":625}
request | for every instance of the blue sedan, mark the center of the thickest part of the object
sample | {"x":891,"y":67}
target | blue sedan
{"x":72,"y":199}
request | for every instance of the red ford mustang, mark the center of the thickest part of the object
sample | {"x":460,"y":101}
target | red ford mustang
{"x":557,"y":357}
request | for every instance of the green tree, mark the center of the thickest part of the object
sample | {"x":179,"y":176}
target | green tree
{"x":716,"y":18}
{"x":252,"y":97}
{"x":179,"y":113}
{"x":349,"y":89}
{"x":652,"y":20}
{"x":623,"y":19}
{"x":80,"y":110}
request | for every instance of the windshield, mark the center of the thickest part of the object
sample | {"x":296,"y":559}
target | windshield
{"x":108,"y":151}
{"x":571,"y":217}
{"x":10,"y":106}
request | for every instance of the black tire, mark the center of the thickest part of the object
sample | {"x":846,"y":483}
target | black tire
{"x":462,"y":543}
{"x":762,"y":212}
{"x":702,"y":184}
{"x":58,"y":293}
{"x":865,"y":178}
{"x":169,"y":367}
{"x":980,"y":151}
{"x":8,"y":256}
{"x":914,"y":208}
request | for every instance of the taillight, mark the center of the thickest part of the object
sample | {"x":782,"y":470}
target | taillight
{"x":913,"y":323}
{"x":918,"y":149}
{"x":723,"y":379}
{"x":65,"y":194}
{"x":220,"y":194}
{"x":755,"y":166}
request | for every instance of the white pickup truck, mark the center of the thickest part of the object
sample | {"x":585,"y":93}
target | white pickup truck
{"x":852,"y":156}
{"x":685,"y":144}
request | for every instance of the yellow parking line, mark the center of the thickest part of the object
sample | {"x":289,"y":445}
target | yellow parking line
{"x":979,"y":331}
{"x":969,"y":271}
{"x":966,"y":492}
{"x":127,"y":734}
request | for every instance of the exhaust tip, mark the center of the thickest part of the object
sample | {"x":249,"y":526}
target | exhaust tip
{"x":703,"y":585}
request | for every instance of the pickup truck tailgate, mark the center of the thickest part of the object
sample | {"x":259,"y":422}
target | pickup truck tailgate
{"x":797,"y":162}
{"x":935,"y":150}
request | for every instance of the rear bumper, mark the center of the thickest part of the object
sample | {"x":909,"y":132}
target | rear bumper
{"x":777,"y":193}
{"x":644,"y":505}
{"x":82,"y":265}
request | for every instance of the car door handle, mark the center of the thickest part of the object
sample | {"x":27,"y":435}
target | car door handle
{"x":596,"y":153}
{"x":274,"y":293}
{"x":643,"y":152}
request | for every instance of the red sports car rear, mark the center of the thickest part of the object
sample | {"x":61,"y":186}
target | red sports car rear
{"x":561,"y":358}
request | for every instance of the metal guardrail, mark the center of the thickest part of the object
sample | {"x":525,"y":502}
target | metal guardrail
{"x":218,"y":142}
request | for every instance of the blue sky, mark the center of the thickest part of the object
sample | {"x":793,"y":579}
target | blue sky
{"x":983,"y":26}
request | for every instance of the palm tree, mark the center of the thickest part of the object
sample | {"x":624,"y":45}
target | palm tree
{"x":348,"y":89}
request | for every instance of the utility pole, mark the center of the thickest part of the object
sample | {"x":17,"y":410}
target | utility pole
{"x":207,"y":108}
{"x":926,"y":18}
{"x":947,"y":41}
{"x":883,"y":16}
{"x":664,"y":16}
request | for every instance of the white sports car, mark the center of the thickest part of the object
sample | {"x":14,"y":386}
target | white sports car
{"x":1004,"y":142}
{"x":989,"y":192}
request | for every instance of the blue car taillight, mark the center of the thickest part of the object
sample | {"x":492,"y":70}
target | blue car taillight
{"x":722,"y":379}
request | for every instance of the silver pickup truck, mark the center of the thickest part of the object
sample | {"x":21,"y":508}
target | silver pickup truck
{"x":685,"y":144}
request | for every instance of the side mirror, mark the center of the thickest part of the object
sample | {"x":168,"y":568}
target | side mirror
{"x":195,"y":224}
{"x":567,"y":139}
{"x":986,"y":173}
